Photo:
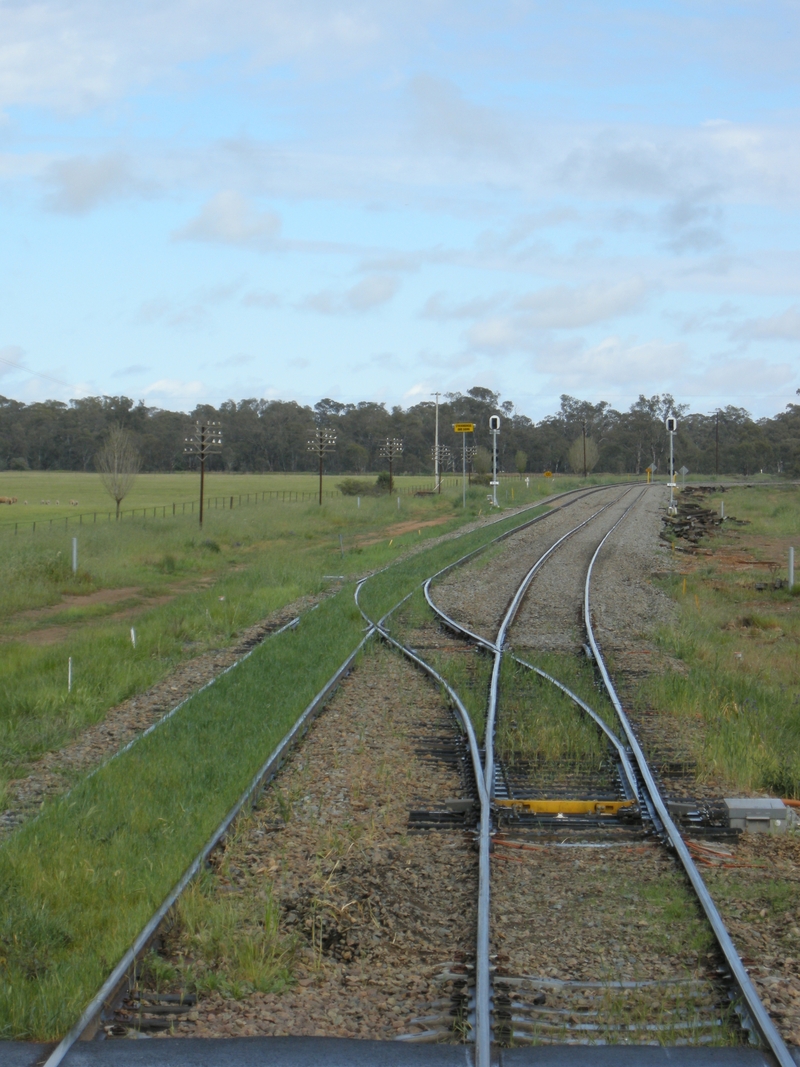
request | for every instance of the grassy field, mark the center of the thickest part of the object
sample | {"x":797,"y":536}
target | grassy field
{"x":737,"y":700}
{"x":34,"y":489}
{"x":44,"y":496}
{"x":78,"y":882}
{"x":181,"y":589}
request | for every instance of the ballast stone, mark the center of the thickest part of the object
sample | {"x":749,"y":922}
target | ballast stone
{"x":758,"y":814}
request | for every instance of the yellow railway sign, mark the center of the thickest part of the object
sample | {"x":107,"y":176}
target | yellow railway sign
{"x":464,"y":427}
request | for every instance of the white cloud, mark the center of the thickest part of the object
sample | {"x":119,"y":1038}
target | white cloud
{"x":613,"y":362}
{"x":134,"y":368}
{"x":176,"y":389}
{"x":261,"y":298}
{"x":445,"y":120}
{"x":81,"y":183}
{"x":722,"y":377}
{"x":76,"y":54}
{"x":191,"y":311}
{"x":565,"y":308}
{"x":11,"y":357}
{"x":370,"y":292}
{"x":782,"y":327}
{"x":438,"y":307}
{"x":558,"y":307}
{"x":230,"y":218}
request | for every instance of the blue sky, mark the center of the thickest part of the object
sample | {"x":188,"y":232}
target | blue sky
{"x":202,"y":201}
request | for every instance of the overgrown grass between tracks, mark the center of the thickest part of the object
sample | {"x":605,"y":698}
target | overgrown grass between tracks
{"x":538,"y":722}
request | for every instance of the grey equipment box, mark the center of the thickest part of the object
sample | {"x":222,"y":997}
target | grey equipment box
{"x":756,"y":814}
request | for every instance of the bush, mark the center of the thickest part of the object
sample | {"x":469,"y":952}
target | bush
{"x":383,"y":484}
{"x":357,"y":487}
{"x":19,"y":463}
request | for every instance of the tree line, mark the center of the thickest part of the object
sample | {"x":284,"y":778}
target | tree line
{"x":273,"y":435}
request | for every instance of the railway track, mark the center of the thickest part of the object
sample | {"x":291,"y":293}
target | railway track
{"x":519,"y":1014}
{"x":520,"y":812}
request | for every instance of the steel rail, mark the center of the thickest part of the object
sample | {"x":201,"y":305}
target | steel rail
{"x":499,"y":644}
{"x":758,"y":1014}
{"x":484,"y":641}
{"x":259,"y":780}
{"x":483,"y":1027}
{"x":483,"y":1031}
{"x":629,"y":777}
{"x":270,"y":766}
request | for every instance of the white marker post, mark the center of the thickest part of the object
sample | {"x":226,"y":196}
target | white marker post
{"x":74,"y":555}
{"x":791,"y":568}
{"x":494,"y":430}
{"x":69,"y":675}
{"x":464,"y":428}
{"x":133,"y":637}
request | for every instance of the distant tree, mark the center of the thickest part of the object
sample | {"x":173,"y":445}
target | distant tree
{"x":118,"y":463}
{"x":482,"y":463}
{"x":521,"y":461}
{"x":575,"y":454}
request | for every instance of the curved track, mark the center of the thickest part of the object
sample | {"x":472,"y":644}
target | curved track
{"x":636,"y":782}
{"x":750,"y":1007}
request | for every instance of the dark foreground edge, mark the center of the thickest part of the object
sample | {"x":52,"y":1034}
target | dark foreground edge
{"x":346,"y":1052}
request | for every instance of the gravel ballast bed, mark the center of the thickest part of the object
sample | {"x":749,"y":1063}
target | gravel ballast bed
{"x":395,"y":909}
{"x":477,"y":594}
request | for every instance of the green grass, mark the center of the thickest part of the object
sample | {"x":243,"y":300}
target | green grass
{"x":154,"y":490}
{"x":538,"y":722}
{"x":162,"y":490}
{"x":737,"y":700}
{"x":80,"y":882}
{"x":211,"y":586}
{"x":227,"y":942}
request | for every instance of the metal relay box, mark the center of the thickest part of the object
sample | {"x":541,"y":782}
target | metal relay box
{"x":757,"y":814}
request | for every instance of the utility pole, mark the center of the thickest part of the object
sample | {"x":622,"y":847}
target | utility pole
{"x":437,"y":480}
{"x":205,"y":441}
{"x":464,"y":428}
{"x":322,"y":443}
{"x":392,"y":448}
{"x":584,"y":448}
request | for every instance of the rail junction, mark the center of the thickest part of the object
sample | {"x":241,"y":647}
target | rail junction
{"x":518,"y":826}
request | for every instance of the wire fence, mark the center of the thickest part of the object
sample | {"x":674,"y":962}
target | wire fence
{"x":228,"y":502}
